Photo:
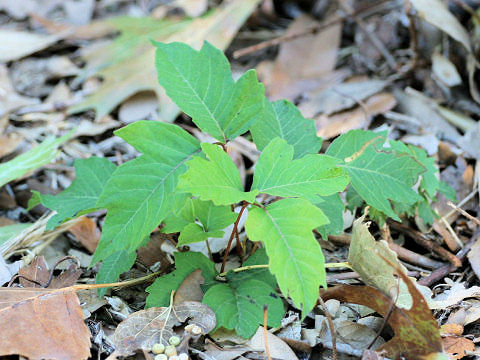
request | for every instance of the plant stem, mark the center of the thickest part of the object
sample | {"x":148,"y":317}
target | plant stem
{"x":235,"y":227}
{"x":265,"y":266}
{"x":117,"y":284}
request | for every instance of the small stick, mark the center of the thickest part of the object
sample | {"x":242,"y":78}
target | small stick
{"x":332,"y":329}
{"x":421,"y":240}
{"x":412,"y":29}
{"x":402,"y":253}
{"x":290,"y":37}
{"x":440,"y":273}
{"x":265,"y":332}
{"x":464,"y":213}
{"x":371,"y":36}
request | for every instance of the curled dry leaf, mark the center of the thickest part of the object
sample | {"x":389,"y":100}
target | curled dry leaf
{"x":416,"y":330}
{"x":39,"y":272}
{"x":87,"y":232}
{"x":42,"y":324}
{"x":155,"y":325}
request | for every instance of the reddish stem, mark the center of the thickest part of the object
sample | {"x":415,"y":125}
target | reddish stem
{"x":234,"y":230}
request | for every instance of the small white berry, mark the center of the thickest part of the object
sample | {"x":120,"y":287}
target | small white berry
{"x":158,"y":348}
{"x":196,"y":330}
{"x":170,"y":350}
{"x":161,"y":357}
{"x":189,"y":327}
{"x":174,"y":340}
{"x":183,"y":356}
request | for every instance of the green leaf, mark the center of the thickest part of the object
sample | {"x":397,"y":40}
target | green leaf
{"x":113,"y":266}
{"x":241,"y":307}
{"x":9,"y":231}
{"x":193,"y":233}
{"x":296,"y":259}
{"x":378,"y":173}
{"x":333,"y":207}
{"x":201,"y":84}
{"x":31,"y":160}
{"x":282,"y":119}
{"x":176,"y":222}
{"x":448,"y":191}
{"x":213,"y":217}
{"x":352,"y":141}
{"x":378,"y":176}
{"x":127,"y":67}
{"x":185,"y":263}
{"x":277,"y":174}
{"x":216,"y":179}
{"x":82,"y":195}
{"x":430,"y":182}
{"x":139,"y":193}
{"x":258,"y":258}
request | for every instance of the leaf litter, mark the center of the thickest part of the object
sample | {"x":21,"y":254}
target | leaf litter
{"x":341,"y":79}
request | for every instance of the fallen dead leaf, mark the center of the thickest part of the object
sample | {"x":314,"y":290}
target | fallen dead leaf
{"x":142,"y":329}
{"x":457,"y":346}
{"x":17,"y":44}
{"x":9,"y":99}
{"x":278,"y":348}
{"x":141,"y":106}
{"x":189,"y":289}
{"x":341,"y":96}
{"x":137,"y":63}
{"x":86,"y":232}
{"x":291,"y":75}
{"x":416,"y":330}
{"x":451,"y":329}
{"x":474,"y":258}
{"x":42,"y":324}
{"x":39,"y":272}
{"x":331,"y":126}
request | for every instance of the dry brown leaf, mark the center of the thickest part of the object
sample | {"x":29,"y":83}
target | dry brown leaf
{"x":142,"y":329}
{"x":474,"y":258}
{"x":451,"y":329}
{"x":9,"y":99}
{"x":331,"y":126}
{"x":189,"y":289}
{"x":278,"y":348}
{"x":416,"y":330}
{"x":8,"y":143}
{"x":290,"y":74}
{"x":87,"y":232}
{"x":39,"y":272}
{"x":456,"y":346}
{"x":42,"y":324}
{"x":17,"y":44}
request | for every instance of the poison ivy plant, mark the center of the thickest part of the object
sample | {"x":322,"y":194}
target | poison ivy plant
{"x":179,"y":185}
{"x":82,"y":195}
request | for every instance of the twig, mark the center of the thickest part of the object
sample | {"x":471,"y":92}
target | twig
{"x":423,"y":241}
{"x":235,"y":228}
{"x":413,"y":34}
{"x":371,"y":36}
{"x":290,"y":37}
{"x":265,"y":332}
{"x":464,"y":213}
{"x":440,"y":273}
{"x":402,"y":253}
{"x":461,"y":203}
{"x":68,"y":257}
{"x":332,"y":329}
